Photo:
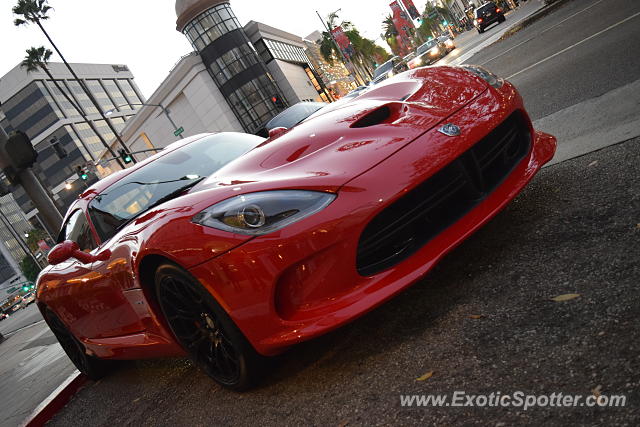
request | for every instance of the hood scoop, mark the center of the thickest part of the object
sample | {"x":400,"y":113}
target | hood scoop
{"x":377,"y":116}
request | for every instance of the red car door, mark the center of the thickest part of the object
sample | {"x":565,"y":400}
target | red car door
{"x":89,"y":297}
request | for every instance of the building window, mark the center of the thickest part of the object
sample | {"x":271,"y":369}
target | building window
{"x":100,"y":95}
{"x":129,"y":91}
{"x":210,"y":25}
{"x":282,"y":51}
{"x":233,"y":62}
{"x":81,"y":96}
{"x":116,"y":94}
{"x":56,"y":88}
{"x":263,"y":51}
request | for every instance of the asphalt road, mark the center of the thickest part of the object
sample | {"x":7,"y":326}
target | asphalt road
{"x":483,"y":321}
{"x":32,"y":365}
{"x":602,"y":38}
{"x":20,"y":319}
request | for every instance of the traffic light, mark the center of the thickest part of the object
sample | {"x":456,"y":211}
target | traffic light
{"x":20,"y":151}
{"x":61,"y":152}
{"x":445,"y":23}
{"x":277,"y":101}
{"x":25,"y":288}
{"x":4,"y":188}
{"x":126,"y":157}
{"x":82,"y":173}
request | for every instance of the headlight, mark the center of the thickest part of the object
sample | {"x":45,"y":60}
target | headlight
{"x":260,"y":213}
{"x":434,"y":51}
{"x":390,"y":74}
{"x":449,"y":43}
{"x":485,"y":75}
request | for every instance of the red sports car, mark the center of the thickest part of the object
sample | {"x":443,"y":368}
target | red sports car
{"x":229,"y":248}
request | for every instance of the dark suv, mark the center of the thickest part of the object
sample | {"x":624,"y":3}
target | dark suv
{"x":486,"y":15}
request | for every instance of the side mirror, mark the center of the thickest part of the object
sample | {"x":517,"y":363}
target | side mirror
{"x":69,"y":249}
{"x":62,"y":252}
{"x":276,"y":132}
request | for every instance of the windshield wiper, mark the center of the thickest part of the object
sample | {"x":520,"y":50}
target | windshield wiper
{"x":175,"y":193}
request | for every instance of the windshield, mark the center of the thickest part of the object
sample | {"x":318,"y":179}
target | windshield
{"x":425,"y":47}
{"x":167,"y":176}
{"x":383,"y":69}
{"x":489,"y":7}
{"x":294,"y":115}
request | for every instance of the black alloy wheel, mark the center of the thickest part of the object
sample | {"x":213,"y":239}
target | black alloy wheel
{"x":205,"y":331}
{"x":90,"y":366}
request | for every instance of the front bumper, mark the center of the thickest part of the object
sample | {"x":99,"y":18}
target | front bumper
{"x":301,"y":282}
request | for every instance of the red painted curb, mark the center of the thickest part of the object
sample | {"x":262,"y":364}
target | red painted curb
{"x":55,"y":401}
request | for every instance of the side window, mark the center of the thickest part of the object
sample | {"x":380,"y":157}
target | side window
{"x":77,"y":229}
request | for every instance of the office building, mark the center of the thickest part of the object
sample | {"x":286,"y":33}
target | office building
{"x":37,"y":105}
{"x":285,"y":56}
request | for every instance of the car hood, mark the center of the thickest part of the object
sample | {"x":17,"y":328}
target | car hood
{"x":335,"y":146}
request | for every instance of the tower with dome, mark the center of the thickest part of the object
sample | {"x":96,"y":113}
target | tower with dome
{"x":242,"y":77}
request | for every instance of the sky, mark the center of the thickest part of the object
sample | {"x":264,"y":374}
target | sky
{"x":142,"y":34}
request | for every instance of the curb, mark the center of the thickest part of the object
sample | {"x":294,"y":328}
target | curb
{"x":55,"y":401}
{"x":541,"y":13}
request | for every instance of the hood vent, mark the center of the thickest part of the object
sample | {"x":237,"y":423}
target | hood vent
{"x":377,"y":116}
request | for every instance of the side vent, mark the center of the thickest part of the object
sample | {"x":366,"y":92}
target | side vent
{"x":377,"y":116}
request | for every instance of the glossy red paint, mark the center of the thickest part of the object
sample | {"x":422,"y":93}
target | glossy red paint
{"x":301,"y":281}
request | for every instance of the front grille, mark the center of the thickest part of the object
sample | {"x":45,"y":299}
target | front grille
{"x":413,"y":220}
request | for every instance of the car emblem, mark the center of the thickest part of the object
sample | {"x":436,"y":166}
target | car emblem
{"x":450,"y":130}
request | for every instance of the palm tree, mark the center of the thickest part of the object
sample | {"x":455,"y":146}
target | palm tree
{"x":38,"y":58}
{"x":389,"y":28}
{"x":366,"y":52}
{"x":36,"y":11}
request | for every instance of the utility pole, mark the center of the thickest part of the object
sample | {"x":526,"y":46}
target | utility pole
{"x":32,"y":186}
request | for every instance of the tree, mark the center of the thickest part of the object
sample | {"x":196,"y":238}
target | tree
{"x":29,"y":268}
{"x":34,"y":236}
{"x":389,"y":28}
{"x":36,"y":11}
{"x":366,"y":52}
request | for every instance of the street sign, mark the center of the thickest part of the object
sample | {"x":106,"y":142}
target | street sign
{"x":433,"y":15}
{"x":178,"y":131}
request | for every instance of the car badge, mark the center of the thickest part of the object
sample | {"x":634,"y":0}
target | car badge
{"x":450,"y":130}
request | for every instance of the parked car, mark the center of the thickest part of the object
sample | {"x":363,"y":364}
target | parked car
{"x":293,"y":115}
{"x":3,"y":316}
{"x":428,"y":53}
{"x":486,"y":15}
{"x":390,"y":68}
{"x":231,"y":248}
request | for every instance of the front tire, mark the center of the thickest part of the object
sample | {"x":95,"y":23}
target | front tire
{"x":205,"y":331}
{"x":90,"y":366}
